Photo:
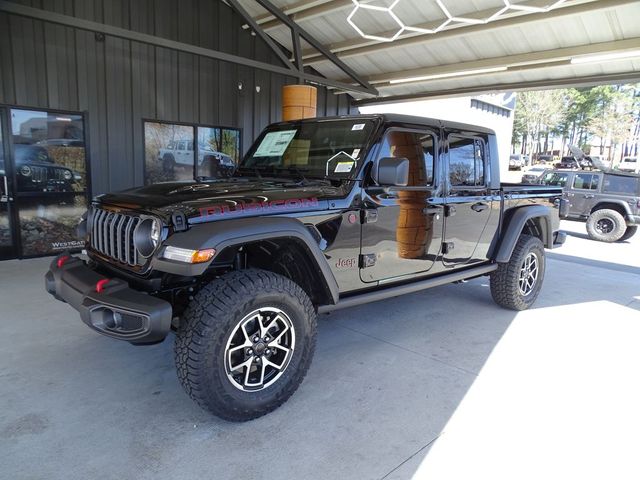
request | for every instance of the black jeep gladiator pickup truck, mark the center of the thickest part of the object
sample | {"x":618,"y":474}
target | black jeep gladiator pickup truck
{"x":321,"y":214}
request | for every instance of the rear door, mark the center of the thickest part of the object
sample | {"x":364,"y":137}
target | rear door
{"x":469,"y":204}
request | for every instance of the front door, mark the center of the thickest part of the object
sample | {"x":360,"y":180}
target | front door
{"x":7,"y":224}
{"x":401,"y":231}
{"x":469,"y":203}
{"x":581,"y":193}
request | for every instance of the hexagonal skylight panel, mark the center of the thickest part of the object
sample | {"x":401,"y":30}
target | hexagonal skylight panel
{"x":378,"y":15}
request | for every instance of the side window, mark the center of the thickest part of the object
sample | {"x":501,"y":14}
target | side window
{"x":585,"y":181}
{"x":466,"y":161}
{"x":418,"y":148}
{"x":555,"y":179}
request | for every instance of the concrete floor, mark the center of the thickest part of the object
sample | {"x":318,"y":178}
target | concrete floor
{"x":511,"y":391}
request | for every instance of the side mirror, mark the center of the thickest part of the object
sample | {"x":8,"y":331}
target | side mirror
{"x":391,"y":172}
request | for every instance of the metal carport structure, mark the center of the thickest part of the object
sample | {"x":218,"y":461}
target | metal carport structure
{"x":417,"y":49}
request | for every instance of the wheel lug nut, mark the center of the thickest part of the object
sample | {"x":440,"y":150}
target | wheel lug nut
{"x":256,"y":338}
{"x":257,"y":359}
{"x":250,"y":352}
{"x":267,"y":351}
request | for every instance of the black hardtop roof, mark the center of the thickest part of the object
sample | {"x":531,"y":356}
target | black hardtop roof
{"x":396,"y":118}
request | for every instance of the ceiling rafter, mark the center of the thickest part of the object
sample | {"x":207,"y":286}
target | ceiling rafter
{"x":546,"y":84}
{"x":541,"y":59}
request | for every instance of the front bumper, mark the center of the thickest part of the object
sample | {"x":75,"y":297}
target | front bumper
{"x":633,"y":220}
{"x":116,"y":310}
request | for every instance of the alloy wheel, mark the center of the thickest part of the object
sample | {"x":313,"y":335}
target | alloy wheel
{"x":259,"y":349}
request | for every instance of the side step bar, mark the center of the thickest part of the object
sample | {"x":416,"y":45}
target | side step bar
{"x":408,"y":288}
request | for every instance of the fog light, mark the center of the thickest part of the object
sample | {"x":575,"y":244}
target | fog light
{"x":188,"y":256}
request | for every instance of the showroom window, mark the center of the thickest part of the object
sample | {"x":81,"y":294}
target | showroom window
{"x":49,"y":162}
{"x":175,"y":152}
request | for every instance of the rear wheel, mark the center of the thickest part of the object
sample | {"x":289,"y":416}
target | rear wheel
{"x":606,"y":225}
{"x":630,"y":232}
{"x":516,"y":285}
{"x":245,"y":343}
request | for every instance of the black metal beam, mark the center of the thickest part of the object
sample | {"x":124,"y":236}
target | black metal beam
{"x":82,"y":24}
{"x":298,"y":31}
{"x":262,"y":34}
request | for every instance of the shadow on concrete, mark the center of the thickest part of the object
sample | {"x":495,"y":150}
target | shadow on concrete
{"x":594,"y":263}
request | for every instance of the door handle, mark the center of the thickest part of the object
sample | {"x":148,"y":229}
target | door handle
{"x":479,"y":207}
{"x":589,"y":196}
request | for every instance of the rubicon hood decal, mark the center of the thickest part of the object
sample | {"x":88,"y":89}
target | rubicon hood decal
{"x":233,"y":209}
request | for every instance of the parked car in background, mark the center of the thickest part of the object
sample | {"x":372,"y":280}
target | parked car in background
{"x":534,"y":175}
{"x":516,"y":162}
{"x":544,"y":159}
{"x":608,"y":202}
{"x":568,"y":162}
{"x":630,"y":164}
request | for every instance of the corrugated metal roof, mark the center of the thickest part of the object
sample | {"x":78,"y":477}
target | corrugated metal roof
{"x":586,"y":27}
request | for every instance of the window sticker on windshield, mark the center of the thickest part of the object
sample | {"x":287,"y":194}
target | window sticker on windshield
{"x":343,"y":167}
{"x":355,"y":153}
{"x":274,"y":144}
{"x":357,"y":126}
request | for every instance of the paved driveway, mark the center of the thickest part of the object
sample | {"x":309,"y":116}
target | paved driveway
{"x":508,"y":390}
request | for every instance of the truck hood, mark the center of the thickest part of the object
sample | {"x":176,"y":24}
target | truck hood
{"x":232,"y":198}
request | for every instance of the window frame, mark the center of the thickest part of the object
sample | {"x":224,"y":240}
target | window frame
{"x":599,"y":177}
{"x":452,"y":187}
{"x":436,"y":151}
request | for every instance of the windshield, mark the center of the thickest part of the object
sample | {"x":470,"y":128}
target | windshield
{"x":332,"y":148}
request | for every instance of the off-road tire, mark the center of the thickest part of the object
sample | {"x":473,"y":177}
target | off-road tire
{"x":504,"y":281}
{"x":630,"y":232}
{"x":208,"y":323}
{"x":606,"y":217}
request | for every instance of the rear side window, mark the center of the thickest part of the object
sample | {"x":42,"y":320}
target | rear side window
{"x":586,"y":181}
{"x":466,"y":161}
{"x":616,"y":184}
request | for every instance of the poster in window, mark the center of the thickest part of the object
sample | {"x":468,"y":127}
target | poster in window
{"x":50,"y":164}
{"x":169,"y":152}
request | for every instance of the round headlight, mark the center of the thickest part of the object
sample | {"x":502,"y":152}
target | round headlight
{"x":146,"y":236}
{"x":67,"y":175}
{"x":25,"y":170}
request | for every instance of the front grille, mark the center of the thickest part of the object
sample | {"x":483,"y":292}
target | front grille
{"x":39,"y":174}
{"x":112,"y":235}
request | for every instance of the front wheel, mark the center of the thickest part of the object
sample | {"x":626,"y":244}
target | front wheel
{"x":516,"y":285}
{"x":245,"y":344}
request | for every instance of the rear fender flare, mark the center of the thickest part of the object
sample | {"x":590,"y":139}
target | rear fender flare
{"x":515,"y":225}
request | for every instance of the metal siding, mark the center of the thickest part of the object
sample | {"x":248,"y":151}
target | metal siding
{"x":117,"y":83}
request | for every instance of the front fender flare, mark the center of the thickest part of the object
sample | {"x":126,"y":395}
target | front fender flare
{"x":230,"y":233}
